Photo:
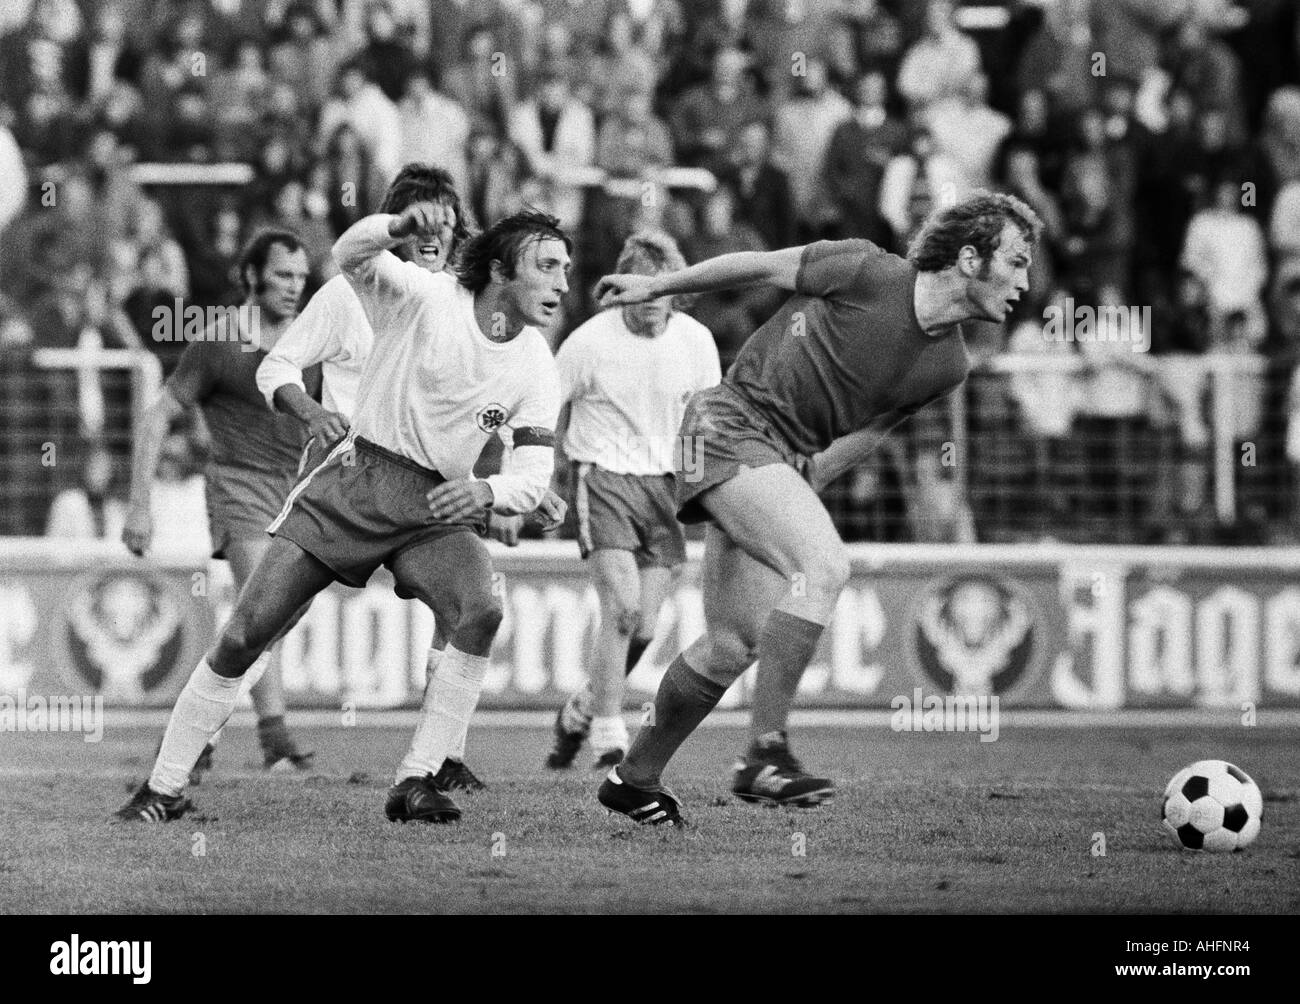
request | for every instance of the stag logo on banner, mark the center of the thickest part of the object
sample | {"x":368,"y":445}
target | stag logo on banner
{"x":975,"y":635}
{"x":125,"y":632}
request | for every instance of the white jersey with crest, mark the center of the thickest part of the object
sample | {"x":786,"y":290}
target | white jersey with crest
{"x":628,"y":391}
{"x":435,"y":388}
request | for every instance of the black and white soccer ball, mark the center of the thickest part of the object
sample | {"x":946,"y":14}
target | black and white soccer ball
{"x":1212,"y":806}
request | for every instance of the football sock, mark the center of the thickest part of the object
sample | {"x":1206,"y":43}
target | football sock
{"x":246,"y":683}
{"x":201,"y":709}
{"x":273,"y":736}
{"x":635,"y":649}
{"x":457,"y":751}
{"x":784,"y":651}
{"x":608,"y":733}
{"x":685,"y":699}
{"x":449,"y":701}
{"x":575,"y":716}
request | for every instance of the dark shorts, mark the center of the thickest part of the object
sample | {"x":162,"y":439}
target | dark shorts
{"x":628,"y":512}
{"x":361,"y":507}
{"x":241,"y":503}
{"x":722,"y":433}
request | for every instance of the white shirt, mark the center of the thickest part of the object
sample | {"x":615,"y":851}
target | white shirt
{"x":629,"y":391}
{"x":435,"y":388}
{"x":332,"y":330}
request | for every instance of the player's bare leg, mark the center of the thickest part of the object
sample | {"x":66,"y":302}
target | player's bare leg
{"x":264,"y":680}
{"x":283,"y":583}
{"x":769,"y":519}
{"x":453,"y":577}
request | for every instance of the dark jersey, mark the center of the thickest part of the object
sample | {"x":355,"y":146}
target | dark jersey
{"x":220,"y":377}
{"x":846,"y":352}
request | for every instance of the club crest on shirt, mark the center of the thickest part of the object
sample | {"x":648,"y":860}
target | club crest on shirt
{"x":491,"y":417}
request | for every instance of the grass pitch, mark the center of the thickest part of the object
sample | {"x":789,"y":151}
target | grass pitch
{"x":921,"y":823}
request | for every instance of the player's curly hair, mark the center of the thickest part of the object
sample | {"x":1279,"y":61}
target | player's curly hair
{"x":649,"y":252}
{"x":503,"y":242}
{"x":257,"y":250}
{"x":417,"y":182}
{"x":976,"y":220}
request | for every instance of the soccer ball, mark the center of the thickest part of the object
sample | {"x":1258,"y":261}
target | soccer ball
{"x":1212,"y":806}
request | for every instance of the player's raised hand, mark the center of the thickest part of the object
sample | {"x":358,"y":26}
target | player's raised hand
{"x":550,"y":512}
{"x":137,"y":530}
{"x":454,"y":500}
{"x":621,"y":290}
{"x":424,"y":218}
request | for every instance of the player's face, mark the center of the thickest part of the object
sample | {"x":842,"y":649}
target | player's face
{"x":433,"y":250}
{"x":540,"y":282}
{"x":997,"y":286}
{"x":282,"y":280}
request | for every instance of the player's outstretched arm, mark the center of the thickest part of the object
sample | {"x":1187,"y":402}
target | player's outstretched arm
{"x":727,"y":271}
{"x":145,"y":451}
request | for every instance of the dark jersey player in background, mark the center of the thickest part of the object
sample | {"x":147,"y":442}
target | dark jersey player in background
{"x":255,"y":452}
{"x":867,"y":339}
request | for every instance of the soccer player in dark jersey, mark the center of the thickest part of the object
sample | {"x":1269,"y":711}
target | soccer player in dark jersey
{"x":866,"y":339}
{"x":255,"y":452}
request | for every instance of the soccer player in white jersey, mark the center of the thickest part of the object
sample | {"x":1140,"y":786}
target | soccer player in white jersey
{"x":626,"y":376}
{"x":333,"y":332}
{"x":454,"y":358}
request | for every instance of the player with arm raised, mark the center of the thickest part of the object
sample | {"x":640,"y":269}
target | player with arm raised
{"x":333,"y":331}
{"x":866,"y":339}
{"x":627,"y":375}
{"x":255,"y":453}
{"x":453,"y":359}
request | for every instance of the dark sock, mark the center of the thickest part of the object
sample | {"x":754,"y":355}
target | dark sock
{"x":635,"y":649}
{"x":684,"y":700}
{"x":784,"y":651}
{"x":273,"y":735}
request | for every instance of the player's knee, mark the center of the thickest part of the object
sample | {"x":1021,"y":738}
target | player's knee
{"x":626,"y":619}
{"x":242,"y":637}
{"x":729,"y":655}
{"x":481,"y":616}
{"x":825,"y":571}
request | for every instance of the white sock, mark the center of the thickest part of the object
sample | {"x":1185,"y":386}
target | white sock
{"x":608,"y":732}
{"x":457,"y":751}
{"x":200,"y":711}
{"x":575,"y":716}
{"x":246,"y":683}
{"x":449,"y":701}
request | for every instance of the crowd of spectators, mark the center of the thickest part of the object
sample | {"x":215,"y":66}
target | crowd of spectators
{"x":1159,"y":140}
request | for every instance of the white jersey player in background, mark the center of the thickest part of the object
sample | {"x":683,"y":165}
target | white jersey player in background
{"x":453,"y":359}
{"x":626,"y":375}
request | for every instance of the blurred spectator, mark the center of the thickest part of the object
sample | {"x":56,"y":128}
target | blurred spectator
{"x":731,"y":314}
{"x":622,"y":67}
{"x":13,"y":175}
{"x":239,"y":95}
{"x":917,"y":181}
{"x":1059,"y":59}
{"x":496,"y":170}
{"x":179,"y":58}
{"x":1225,"y":249}
{"x":105,"y":54}
{"x":941,"y":63}
{"x":874,"y":35}
{"x":187,"y":133}
{"x":354,"y":186}
{"x":707,"y":119}
{"x":633,"y":139}
{"x":1098,"y":222}
{"x":28,"y":424}
{"x":968,"y":131}
{"x":762,"y":189}
{"x":1284,"y":224}
{"x":304,"y":56}
{"x":366,"y":108}
{"x":212,"y":264}
{"x":147,"y":231}
{"x":782,"y":31}
{"x":1208,"y":70}
{"x":435,"y":129}
{"x":92,"y":506}
{"x":387,"y":57}
{"x":1035,"y":127}
{"x":481,"y":80}
{"x":556,"y":133}
{"x":803,"y":125}
{"x":856,"y":157}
